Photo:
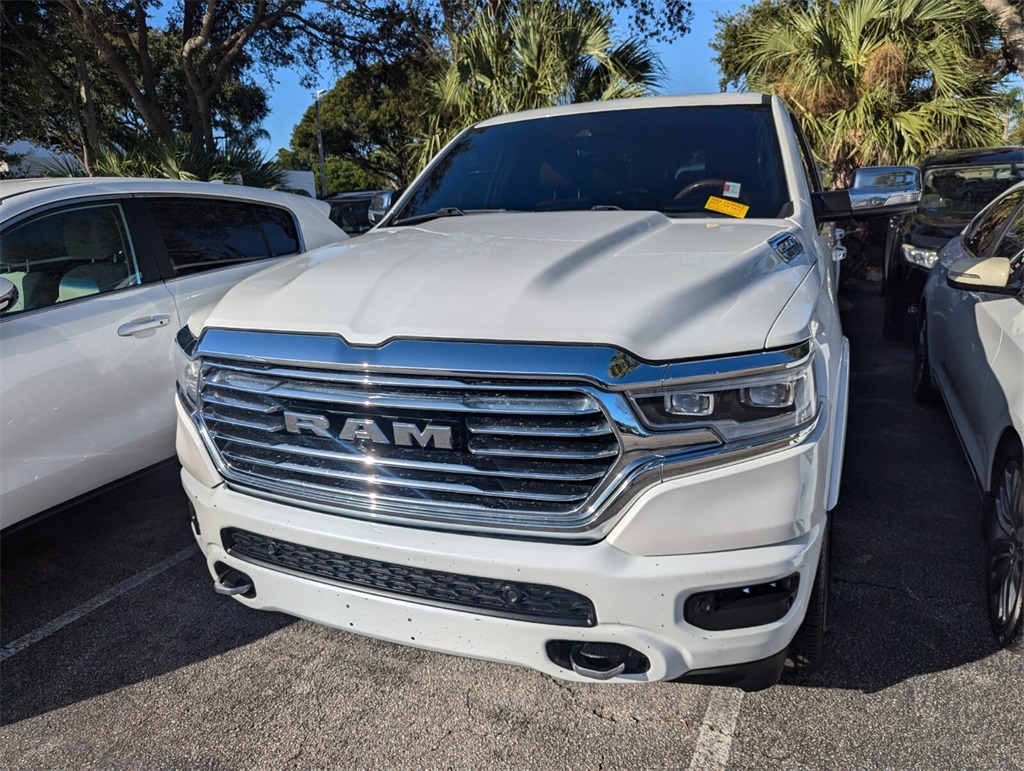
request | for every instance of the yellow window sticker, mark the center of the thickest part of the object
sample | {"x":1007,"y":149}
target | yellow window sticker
{"x":722,"y":206}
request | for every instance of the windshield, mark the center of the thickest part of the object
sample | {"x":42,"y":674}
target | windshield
{"x":960,"y":192}
{"x":683,"y":161}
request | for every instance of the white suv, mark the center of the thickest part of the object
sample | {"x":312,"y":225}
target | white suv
{"x":577,"y":403}
{"x":96,"y":276}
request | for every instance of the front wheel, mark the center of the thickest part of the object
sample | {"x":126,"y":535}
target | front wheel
{"x":807,"y":651}
{"x":1005,"y":546}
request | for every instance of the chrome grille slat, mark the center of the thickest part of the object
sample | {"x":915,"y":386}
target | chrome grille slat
{"x":550,"y":473}
{"x":496,"y":428}
{"x":507,"y":450}
{"x":360,"y":398}
{"x":413,"y":484}
{"x":375,"y":379}
{"x":241,"y":422}
{"x":480,"y":453}
{"x":240,"y":404}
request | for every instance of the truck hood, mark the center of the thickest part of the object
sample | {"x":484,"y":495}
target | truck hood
{"x":658,"y":288}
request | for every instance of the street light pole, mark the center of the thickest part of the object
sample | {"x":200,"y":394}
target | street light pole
{"x":320,"y":144}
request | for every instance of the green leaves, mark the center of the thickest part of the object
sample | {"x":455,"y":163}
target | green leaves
{"x":872,"y":81}
{"x":188,"y":159}
{"x":532,"y":54}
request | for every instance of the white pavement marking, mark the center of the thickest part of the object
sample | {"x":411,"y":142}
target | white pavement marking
{"x":714,"y":743}
{"x":90,"y":605}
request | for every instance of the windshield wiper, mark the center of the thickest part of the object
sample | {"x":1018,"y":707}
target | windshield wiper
{"x":606,"y":207}
{"x":446,"y":211}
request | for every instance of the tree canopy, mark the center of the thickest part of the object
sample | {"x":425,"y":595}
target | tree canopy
{"x":872,"y":81}
{"x":369,"y":120}
{"x":100,"y":71}
{"x":530,"y":54}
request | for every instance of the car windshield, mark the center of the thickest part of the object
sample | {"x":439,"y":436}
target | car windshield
{"x":960,"y":192}
{"x":683,"y":161}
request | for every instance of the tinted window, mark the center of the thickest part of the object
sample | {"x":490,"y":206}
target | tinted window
{"x":68,"y":254}
{"x":1011,"y":245}
{"x":203,"y":233}
{"x":672,"y":160}
{"x":960,"y":192}
{"x":987,"y":229}
{"x":352,"y":215}
{"x":279,"y":227}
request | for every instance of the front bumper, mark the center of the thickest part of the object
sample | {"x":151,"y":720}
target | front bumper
{"x":638,"y":583}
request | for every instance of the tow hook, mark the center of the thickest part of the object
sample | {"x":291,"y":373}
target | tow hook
{"x":232,"y":583}
{"x":598,"y":661}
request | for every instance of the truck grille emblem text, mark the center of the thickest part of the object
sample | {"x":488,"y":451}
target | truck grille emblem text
{"x":405,"y":434}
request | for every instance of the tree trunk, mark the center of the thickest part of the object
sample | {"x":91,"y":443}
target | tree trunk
{"x":90,"y":22}
{"x":1011,"y":27}
{"x":91,"y":134}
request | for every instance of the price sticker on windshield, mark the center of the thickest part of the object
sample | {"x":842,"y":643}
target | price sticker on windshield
{"x":722,"y":206}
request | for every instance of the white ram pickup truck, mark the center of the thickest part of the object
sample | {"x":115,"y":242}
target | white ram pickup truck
{"x":577,"y":403}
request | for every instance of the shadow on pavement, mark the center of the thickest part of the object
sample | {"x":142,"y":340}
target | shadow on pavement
{"x":908,"y":556}
{"x":171,"y":621}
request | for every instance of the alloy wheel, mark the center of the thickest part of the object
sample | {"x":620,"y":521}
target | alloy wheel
{"x":1005,"y":574}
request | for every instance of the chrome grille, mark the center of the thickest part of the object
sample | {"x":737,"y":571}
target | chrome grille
{"x":522,"y":455}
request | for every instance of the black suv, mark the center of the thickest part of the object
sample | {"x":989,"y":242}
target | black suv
{"x":956,"y":186}
{"x":349,"y":211}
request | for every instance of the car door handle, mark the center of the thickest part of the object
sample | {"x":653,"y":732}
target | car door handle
{"x":142,"y":325}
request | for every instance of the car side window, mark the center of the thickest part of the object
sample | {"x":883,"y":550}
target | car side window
{"x":279,"y":228}
{"x":204,"y":233}
{"x":68,"y":254}
{"x":983,"y":234}
{"x":1011,"y":245}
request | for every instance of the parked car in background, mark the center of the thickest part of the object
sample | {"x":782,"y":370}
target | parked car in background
{"x":971,"y":350}
{"x":97,"y":276}
{"x":350,"y":211}
{"x":956,"y":186}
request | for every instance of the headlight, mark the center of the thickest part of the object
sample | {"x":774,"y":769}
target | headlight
{"x":186,"y":367}
{"x":917,"y":255}
{"x":767,"y":405}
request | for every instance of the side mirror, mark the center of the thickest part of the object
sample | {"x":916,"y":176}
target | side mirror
{"x":991,"y":274}
{"x":381,"y":204}
{"x":878,"y":191}
{"x":8,"y":294}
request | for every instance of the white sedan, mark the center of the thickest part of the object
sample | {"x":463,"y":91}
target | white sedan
{"x":96,"y":277}
{"x":971,"y":349}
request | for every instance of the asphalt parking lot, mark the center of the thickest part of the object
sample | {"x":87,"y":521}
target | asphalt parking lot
{"x":117,"y":653}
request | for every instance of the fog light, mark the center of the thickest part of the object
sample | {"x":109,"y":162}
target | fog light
{"x":742,"y":606}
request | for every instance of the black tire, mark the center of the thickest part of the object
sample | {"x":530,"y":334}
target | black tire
{"x":923,"y":388}
{"x":807,"y":651}
{"x":1004,"y":564}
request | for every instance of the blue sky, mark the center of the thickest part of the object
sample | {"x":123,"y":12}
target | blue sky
{"x":687,"y":62}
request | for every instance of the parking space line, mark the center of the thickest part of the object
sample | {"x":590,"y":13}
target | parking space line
{"x":714,"y":742}
{"x":92,"y":604}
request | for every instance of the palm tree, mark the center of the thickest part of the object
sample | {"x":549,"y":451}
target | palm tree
{"x":534,"y":53}
{"x":188,"y":159}
{"x":1012,"y":109}
{"x":881,"y":81}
